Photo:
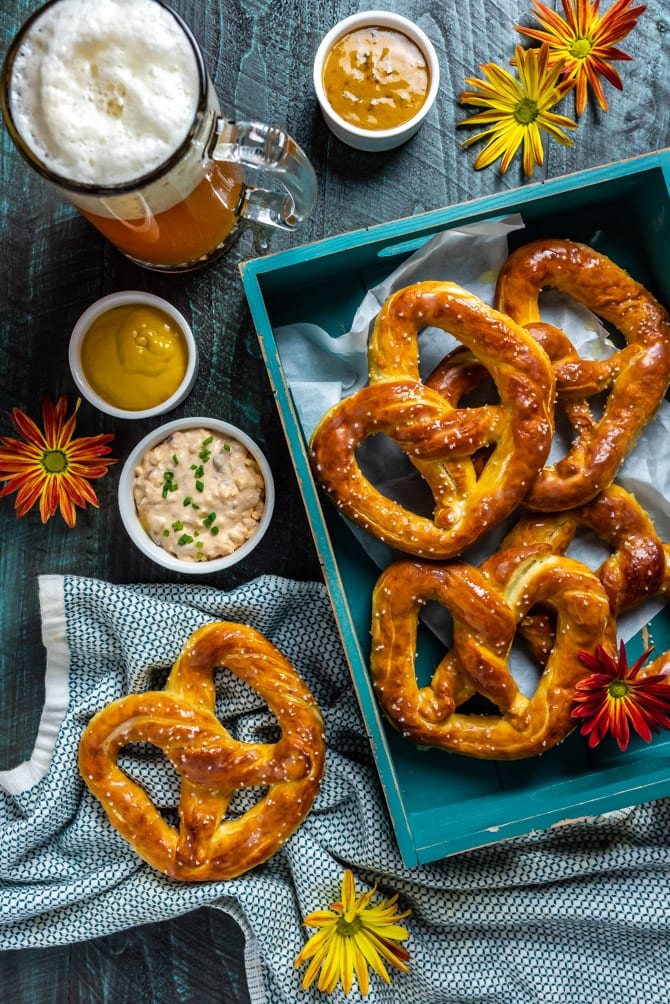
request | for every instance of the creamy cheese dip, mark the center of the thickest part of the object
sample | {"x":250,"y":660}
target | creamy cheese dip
{"x":199,"y":495}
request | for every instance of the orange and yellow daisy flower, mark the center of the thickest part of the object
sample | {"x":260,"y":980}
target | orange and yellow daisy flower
{"x":585,"y":41}
{"x":518,"y":111}
{"x":617,"y":697}
{"x":52,"y":466}
{"x":353,"y":935}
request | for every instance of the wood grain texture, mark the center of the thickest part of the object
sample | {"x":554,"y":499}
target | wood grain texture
{"x":54,"y":264}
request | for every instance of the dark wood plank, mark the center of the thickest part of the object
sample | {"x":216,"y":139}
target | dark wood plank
{"x":187,"y":960}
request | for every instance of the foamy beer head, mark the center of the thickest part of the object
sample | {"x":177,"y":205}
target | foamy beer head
{"x":103,"y":92}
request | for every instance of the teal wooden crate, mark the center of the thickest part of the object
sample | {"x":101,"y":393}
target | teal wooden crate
{"x":441,"y":803}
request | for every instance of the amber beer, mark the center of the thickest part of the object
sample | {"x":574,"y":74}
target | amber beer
{"x":111,"y":102}
{"x":189,"y":231}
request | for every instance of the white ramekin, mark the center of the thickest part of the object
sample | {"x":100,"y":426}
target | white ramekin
{"x":124,"y":299}
{"x":369,"y":139}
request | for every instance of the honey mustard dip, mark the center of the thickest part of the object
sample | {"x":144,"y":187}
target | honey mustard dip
{"x":376,"y":78}
{"x":134,"y":357}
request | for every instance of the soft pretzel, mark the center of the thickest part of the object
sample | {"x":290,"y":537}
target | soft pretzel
{"x":486,"y":604}
{"x":439,"y":438}
{"x":180,"y":720}
{"x":637,"y":569}
{"x":636,"y":377}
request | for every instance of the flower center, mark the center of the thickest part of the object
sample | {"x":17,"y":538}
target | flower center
{"x":54,"y":461}
{"x":618,"y":689}
{"x":581,"y":48}
{"x":526,"y":111}
{"x":349,"y":928}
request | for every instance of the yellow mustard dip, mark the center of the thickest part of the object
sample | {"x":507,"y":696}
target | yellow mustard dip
{"x":134,"y":356}
{"x":376,"y":78}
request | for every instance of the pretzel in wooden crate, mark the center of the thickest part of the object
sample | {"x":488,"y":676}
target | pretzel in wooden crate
{"x":635,"y":377}
{"x":637,"y":569}
{"x":486,"y":605}
{"x":439,"y":438}
{"x":213,"y":765}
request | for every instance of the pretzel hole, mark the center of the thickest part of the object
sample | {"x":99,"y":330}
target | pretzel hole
{"x":589,"y":548}
{"x":235,"y":699}
{"x":385,"y":465}
{"x":243,"y":800}
{"x":147,"y":766}
{"x":527,"y":659}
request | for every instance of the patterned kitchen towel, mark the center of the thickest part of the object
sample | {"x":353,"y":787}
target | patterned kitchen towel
{"x":579,"y":914}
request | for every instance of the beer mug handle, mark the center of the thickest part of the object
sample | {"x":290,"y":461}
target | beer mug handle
{"x":266,"y":150}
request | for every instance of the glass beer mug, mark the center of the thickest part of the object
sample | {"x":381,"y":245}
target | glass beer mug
{"x":111,"y":102}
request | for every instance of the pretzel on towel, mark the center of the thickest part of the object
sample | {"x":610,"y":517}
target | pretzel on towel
{"x":637,"y":569}
{"x":486,"y":605}
{"x":180,"y":720}
{"x":636,"y":377}
{"x":438,"y":438}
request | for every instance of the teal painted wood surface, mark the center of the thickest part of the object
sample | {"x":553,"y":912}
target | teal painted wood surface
{"x":52,"y":265}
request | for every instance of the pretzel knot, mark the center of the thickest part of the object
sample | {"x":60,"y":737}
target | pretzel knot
{"x":636,"y":377}
{"x":438,"y":438}
{"x":637,"y":568}
{"x":180,"y":720}
{"x":486,"y":605}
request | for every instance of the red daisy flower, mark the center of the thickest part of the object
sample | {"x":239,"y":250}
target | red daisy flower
{"x":52,"y":466}
{"x":617,"y":697}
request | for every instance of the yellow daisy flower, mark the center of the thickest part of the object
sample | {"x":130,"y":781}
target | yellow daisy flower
{"x":518,"y":111}
{"x":585,"y":41}
{"x":354,"y":935}
{"x":52,"y":466}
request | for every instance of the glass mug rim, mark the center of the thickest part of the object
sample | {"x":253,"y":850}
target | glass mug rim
{"x":93,"y":188}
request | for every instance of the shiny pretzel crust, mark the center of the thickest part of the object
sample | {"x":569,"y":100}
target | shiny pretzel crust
{"x":439,"y":438}
{"x":180,"y":720}
{"x":636,"y":377}
{"x":486,"y":605}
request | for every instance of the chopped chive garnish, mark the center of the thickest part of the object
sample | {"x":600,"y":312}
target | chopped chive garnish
{"x":200,"y":543}
{"x":204,"y":455}
{"x":227,"y":447}
{"x":208,"y":520}
{"x":166,"y":533}
{"x":177,"y":525}
{"x":207,"y":441}
{"x":198,"y":471}
{"x":175,"y":459}
{"x":214,"y":531}
{"x":199,"y":485}
{"x":188,"y":500}
{"x":195,"y":505}
{"x":168,"y":483}
{"x":185,"y":538}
